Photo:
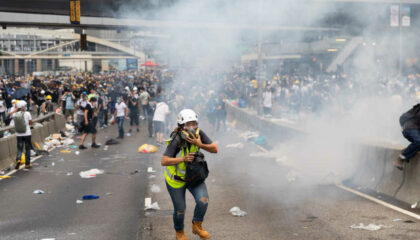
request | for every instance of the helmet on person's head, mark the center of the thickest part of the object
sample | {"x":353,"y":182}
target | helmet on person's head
{"x":21,"y":104}
{"x":135,"y":88}
{"x":187,"y":115}
{"x":14,"y":101}
{"x":42,"y":92}
{"x":49,"y":97}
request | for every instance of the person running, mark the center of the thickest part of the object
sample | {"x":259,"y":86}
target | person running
{"x":22,"y":121}
{"x":120,"y":114}
{"x":88,"y":124}
{"x":176,"y":171}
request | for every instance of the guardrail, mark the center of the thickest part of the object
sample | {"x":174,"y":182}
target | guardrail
{"x":51,"y":123}
{"x":375,"y":169}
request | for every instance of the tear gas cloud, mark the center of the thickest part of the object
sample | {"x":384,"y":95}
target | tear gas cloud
{"x":209,"y":36}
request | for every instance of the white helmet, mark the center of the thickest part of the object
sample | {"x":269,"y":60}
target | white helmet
{"x":127,"y":88}
{"x":135,"y":88}
{"x":187,"y":115}
{"x":42,"y":92}
{"x":21,"y":104}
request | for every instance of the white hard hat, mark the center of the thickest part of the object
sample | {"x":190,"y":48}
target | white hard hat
{"x":21,"y":104}
{"x":187,"y":115}
{"x":127,"y":88}
{"x":13,"y":101}
{"x":42,"y":92}
{"x":135,"y":88}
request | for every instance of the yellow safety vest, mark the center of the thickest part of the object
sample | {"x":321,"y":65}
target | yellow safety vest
{"x":179,"y":169}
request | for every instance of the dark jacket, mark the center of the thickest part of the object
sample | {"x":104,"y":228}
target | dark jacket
{"x":411,"y":119}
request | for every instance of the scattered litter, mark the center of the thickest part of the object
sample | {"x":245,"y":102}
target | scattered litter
{"x":73,"y":146}
{"x":53,"y":164}
{"x":71,"y":234}
{"x":295,"y":234}
{"x":108,"y":193}
{"x":153,"y":206}
{"x":33,"y":153}
{"x":155,"y":188}
{"x":56,"y":136}
{"x":2,"y":172}
{"x":68,"y":141}
{"x":260,"y":140}
{"x":77,"y":152}
{"x":91,"y":173}
{"x":409,"y":221}
{"x":291,"y":176}
{"x":4,"y":176}
{"x":237,"y":212}
{"x":370,"y":227}
{"x":38,"y":125}
{"x":147,"y":202}
{"x":397,"y":220}
{"x":111,"y":142}
{"x":128,"y":134}
{"x":79,"y":201}
{"x":152,"y":176}
{"x":38,"y":191}
{"x":69,"y":174}
{"x":415,"y":205}
{"x":235,"y":145}
{"x":150,"y":170}
{"x":146,"y":148}
{"x":249,"y":135}
{"x":134,"y":172}
{"x":90,"y":197}
{"x":61,"y":160}
{"x":106,"y":147}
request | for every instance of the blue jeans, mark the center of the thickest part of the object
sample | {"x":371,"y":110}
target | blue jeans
{"x":101,"y":118}
{"x":412,"y":135}
{"x":120,"y":121}
{"x":201,"y":197}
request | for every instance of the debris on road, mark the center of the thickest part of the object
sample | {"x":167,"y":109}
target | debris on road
{"x":108,"y":193}
{"x":106,"y":147}
{"x":415,"y":205}
{"x":77,"y":152}
{"x":409,"y":221}
{"x":38,"y":191}
{"x":91,"y":173}
{"x":70,"y":174}
{"x":153,"y":206}
{"x":370,"y":227}
{"x":235,"y":145}
{"x":134,"y":172}
{"x":79,"y":201}
{"x":260,"y":140}
{"x":150,"y":170}
{"x":237,"y":212}
{"x":90,"y":197}
{"x":155,"y":188}
{"x":397,"y":220}
{"x":4,"y":177}
{"x":111,"y":142}
{"x":146,"y":148}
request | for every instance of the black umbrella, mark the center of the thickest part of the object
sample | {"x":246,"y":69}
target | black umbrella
{"x":19,"y":93}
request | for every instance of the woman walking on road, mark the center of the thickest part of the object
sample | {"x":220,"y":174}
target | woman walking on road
{"x":186,"y":141}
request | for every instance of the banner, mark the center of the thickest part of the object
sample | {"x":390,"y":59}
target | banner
{"x":394,"y":18}
{"x":405,"y":16}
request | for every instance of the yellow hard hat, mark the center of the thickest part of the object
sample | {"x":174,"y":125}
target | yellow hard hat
{"x":49,"y":97}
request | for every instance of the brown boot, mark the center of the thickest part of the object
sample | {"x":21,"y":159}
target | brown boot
{"x":399,"y":163}
{"x":198,"y":229}
{"x":180,"y":235}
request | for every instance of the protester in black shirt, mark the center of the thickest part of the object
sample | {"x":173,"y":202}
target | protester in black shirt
{"x":88,"y":125}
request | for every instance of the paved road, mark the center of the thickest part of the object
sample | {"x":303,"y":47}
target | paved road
{"x":277,"y":208}
{"x":55,"y":214}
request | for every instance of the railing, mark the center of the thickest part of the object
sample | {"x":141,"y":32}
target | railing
{"x":41,"y":119}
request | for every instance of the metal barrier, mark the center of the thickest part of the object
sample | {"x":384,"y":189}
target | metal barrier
{"x":51,"y":123}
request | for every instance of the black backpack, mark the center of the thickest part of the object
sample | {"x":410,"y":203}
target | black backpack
{"x":196,"y":171}
{"x":409,"y":115}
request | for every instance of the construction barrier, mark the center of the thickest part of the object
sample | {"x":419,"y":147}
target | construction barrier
{"x":375,"y":170}
{"x":51,"y":123}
